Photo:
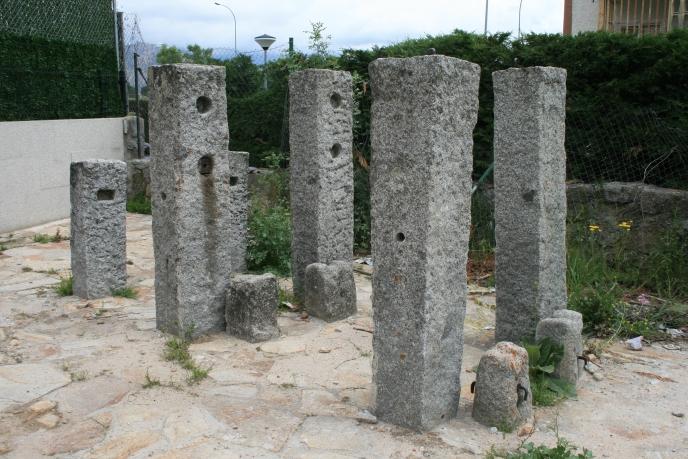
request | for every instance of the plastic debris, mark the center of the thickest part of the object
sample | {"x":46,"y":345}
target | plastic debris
{"x":635,"y":344}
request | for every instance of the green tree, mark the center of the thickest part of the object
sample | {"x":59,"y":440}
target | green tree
{"x":170,"y":55}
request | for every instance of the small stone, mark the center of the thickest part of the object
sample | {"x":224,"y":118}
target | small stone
{"x":330,"y":290}
{"x":251,"y":307}
{"x":104,"y":419}
{"x":41,"y":407}
{"x":597,"y":377}
{"x":322,"y":350}
{"x":49,"y":420}
{"x":493,"y":430}
{"x":366,"y":417}
{"x":502,"y":387}
{"x":5,"y":448}
{"x":525,"y":430}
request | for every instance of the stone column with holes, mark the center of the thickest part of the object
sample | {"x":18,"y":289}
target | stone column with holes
{"x":422,"y":119}
{"x":98,"y":227}
{"x":200,"y":198}
{"x":320,"y":138}
{"x":530,"y":198}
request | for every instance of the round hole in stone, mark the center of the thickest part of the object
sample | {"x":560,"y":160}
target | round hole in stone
{"x":203,"y":104}
{"x":205,"y":165}
{"x":163,"y":196}
{"x":401,"y":237}
{"x":233,"y":181}
{"x":335,"y":100}
{"x":335,"y":150}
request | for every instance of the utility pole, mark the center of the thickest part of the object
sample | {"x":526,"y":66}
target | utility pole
{"x":122,"y":67}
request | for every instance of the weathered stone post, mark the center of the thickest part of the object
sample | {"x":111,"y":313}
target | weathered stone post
{"x":565,"y":327}
{"x":530,"y":198}
{"x":199,"y":198}
{"x":98,"y":227}
{"x":422,"y":119}
{"x":322,"y":197}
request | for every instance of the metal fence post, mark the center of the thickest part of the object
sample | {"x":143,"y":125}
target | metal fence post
{"x":136,"y":88}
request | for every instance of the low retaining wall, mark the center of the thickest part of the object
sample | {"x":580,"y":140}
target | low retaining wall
{"x":35,"y":157}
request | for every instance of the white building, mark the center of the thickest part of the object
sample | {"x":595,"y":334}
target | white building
{"x":640,"y":17}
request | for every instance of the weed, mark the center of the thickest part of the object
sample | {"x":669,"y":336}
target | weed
{"x":150,"y":382}
{"x":78,"y":375}
{"x":139,"y":204}
{"x":3,"y":247}
{"x":27,"y":269}
{"x":562,"y":450}
{"x":41,"y":238}
{"x":543,"y":358}
{"x":65,"y":287}
{"x":177,"y":350}
{"x":505,"y":427}
{"x":57,"y":237}
{"x":125,"y":292}
{"x":287,"y":386}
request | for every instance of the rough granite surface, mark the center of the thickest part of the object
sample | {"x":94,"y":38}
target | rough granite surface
{"x":322,"y":190}
{"x":530,"y":198}
{"x":422,"y":119}
{"x":567,"y":332}
{"x":251,"y":307}
{"x":98,"y":194}
{"x":200,"y":199}
{"x":502,"y":387}
{"x":330,"y":290}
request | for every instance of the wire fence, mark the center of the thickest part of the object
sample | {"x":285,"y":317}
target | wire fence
{"x":58,"y":60}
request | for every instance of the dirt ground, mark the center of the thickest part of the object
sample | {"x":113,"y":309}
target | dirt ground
{"x":78,"y":379}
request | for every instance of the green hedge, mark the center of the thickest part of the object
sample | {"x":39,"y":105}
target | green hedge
{"x":47,"y":79}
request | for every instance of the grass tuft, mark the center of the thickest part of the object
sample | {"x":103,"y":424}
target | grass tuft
{"x":65,"y":287}
{"x":125,"y":292}
{"x":177,"y":350}
{"x":42,"y":238}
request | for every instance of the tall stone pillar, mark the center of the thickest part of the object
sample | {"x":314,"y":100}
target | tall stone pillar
{"x":98,"y":227}
{"x":322,"y":196}
{"x":422,"y":119}
{"x":530,"y":198}
{"x":199,"y":198}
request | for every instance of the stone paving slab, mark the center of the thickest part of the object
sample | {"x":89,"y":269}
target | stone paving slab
{"x":303,"y":395}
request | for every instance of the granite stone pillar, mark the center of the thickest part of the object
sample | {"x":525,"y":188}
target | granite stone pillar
{"x":98,"y":227}
{"x":422,"y":119}
{"x":200,"y":198}
{"x":530,"y":198}
{"x":565,"y":328}
{"x":322,"y":196}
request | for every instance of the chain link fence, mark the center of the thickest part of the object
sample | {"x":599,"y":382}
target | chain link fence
{"x":58,"y":60}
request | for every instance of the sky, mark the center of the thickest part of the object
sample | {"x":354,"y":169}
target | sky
{"x":351,"y":23}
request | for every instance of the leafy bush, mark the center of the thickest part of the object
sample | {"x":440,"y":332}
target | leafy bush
{"x":139,"y":204}
{"x":269,"y":244}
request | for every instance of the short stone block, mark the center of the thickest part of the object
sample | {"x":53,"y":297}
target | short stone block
{"x":251,"y":307}
{"x":330,"y":291}
{"x":502,"y":387}
{"x":530,"y":198}
{"x":98,"y":227}
{"x":566,"y":331}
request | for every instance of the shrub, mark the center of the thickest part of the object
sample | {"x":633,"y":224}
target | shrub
{"x":269,"y":243}
{"x":139,"y":204}
{"x":543,"y":358}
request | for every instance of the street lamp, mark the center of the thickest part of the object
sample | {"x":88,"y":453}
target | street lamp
{"x":235,"y":27}
{"x":264,"y":41}
{"x":520,"y":5}
{"x":487,"y":8}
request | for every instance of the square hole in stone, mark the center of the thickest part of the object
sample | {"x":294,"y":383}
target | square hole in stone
{"x":106,"y":195}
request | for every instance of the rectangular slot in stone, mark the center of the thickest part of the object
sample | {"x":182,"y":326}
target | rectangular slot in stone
{"x":106,"y":195}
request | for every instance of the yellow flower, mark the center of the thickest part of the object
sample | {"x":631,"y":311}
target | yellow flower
{"x":594,"y":228}
{"x":625,"y":225}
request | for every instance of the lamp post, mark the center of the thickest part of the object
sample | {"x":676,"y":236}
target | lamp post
{"x":520,"y":5}
{"x":264,"y":41}
{"x":487,"y":8}
{"x":235,"y":26}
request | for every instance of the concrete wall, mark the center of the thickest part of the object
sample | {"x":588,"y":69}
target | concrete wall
{"x":35,"y":158}
{"x":584,"y":15}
